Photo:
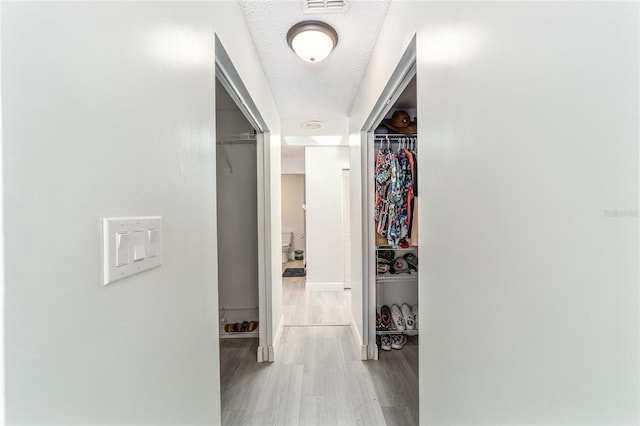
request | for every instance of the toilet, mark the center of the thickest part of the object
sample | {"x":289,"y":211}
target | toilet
{"x":287,"y":242}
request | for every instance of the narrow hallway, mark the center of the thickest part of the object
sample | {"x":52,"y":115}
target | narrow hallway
{"x":317,"y":378}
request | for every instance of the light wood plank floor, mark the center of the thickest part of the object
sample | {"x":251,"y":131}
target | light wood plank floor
{"x":317,"y":378}
{"x":302,"y":307}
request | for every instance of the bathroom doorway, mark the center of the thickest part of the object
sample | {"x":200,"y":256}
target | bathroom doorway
{"x":293,"y":217}
{"x":302,"y":306}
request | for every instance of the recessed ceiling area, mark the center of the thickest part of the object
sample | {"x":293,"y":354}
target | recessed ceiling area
{"x":322,"y":91}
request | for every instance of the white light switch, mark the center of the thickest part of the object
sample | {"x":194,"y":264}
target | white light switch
{"x":152,"y":242}
{"x":130,"y":245}
{"x":139,"y":243}
{"x":122,"y":248}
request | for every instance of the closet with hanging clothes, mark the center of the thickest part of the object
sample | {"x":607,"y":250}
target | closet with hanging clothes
{"x":395,"y":205}
{"x":396,"y":231}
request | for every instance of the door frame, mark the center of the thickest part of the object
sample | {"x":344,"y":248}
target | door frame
{"x":230,"y":79}
{"x":346,"y":226}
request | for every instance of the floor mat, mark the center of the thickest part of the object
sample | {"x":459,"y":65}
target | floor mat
{"x":294,"y":272}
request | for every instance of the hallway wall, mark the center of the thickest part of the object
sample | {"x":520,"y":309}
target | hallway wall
{"x":528,"y":135}
{"x":108,"y":110}
{"x":293,"y":163}
{"x":324,"y":216}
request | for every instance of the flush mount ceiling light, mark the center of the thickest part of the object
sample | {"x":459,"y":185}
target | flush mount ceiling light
{"x":312,"y":125}
{"x":312,"y":40}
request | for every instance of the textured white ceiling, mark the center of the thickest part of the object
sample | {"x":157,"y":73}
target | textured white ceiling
{"x":314,"y":91}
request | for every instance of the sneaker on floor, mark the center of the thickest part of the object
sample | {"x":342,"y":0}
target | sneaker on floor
{"x":398,"y":318}
{"x":398,"y":341}
{"x":385,"y":342}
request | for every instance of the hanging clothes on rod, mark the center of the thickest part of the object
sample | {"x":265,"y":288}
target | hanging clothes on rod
{"x":395,"y":188}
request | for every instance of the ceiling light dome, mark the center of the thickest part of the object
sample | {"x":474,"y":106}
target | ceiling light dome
{"x":312,"y":40}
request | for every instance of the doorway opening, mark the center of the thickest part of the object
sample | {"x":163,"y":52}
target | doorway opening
{"x":391,"y":229}
{"x":308,"y":304}
{"x":237,"y":213}
{"x":293,"y":220}
{"x":242,"y":209}
{"x":312,"y":188}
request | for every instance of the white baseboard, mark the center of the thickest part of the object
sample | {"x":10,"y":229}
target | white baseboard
{"x":324,"y":286}
{"x":373,"y":352}
{"x":357,"y":339}
{"x":263,"y":355}
{"x":271,"y":350}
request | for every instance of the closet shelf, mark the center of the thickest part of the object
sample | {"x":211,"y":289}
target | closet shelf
{"x":235,"y":315}
{"x":382,"y":137}
{"x":399,"y":277}
{"x":238,"y":335}
{"x":407,"y":332}
{"x":396,"y":248}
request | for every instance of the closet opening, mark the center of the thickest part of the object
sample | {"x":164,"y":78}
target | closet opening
{"x":242,"y":212}
{"x":237,"y":233}
{"x":391,"y":242}
{"x":396,"y":227}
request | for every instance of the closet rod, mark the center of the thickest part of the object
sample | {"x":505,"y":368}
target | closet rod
{"x":393,"y":138}
{"x":235,"y":142}
{"x":246,"y":138}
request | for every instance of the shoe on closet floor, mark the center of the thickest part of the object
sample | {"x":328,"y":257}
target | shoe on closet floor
{"x":398,"y":341}
{"x":385,"y":342}
{"x":385,"y":318}
{"x":408,"y":316}
{"x":398,"y":318}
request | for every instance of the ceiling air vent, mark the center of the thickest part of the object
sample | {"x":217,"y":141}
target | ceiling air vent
{"x":325,"y":6}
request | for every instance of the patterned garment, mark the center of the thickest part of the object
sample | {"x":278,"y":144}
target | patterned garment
{"x":383,"y":173}
{"x":394,"y":180}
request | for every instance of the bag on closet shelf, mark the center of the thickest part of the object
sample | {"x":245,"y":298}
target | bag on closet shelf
{"x":386,"y":255}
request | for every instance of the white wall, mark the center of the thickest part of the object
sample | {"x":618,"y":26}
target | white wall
{"x":2,"y":257}
{"x":293,"y":163}
{"x":528,"y":126}
{"x":108,"y":110}
{"x":324,"y":215}
{"x":292,"y":212}
{"x":237,"y":210}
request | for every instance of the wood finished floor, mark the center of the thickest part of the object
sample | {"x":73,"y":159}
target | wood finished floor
{"x":302,"y":307}
{"x":317,"y":378}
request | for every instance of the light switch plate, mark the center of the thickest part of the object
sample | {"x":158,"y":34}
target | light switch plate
{"x":143,"y":237}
